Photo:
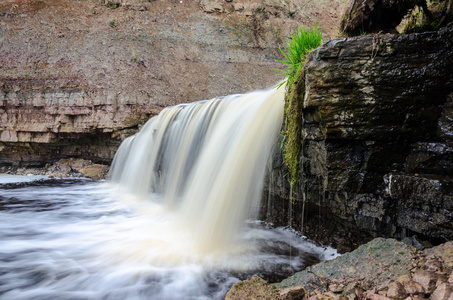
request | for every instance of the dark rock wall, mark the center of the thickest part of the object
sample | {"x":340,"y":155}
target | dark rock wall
{"x":378,"y":139}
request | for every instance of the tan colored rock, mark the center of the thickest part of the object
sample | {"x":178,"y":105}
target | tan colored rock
{"x":427,"y":279}
{"x":377,"y":297}
{"x":336,"y":288}
{"x":396,"y":290}
{"x":211,"y":6}
{"x":292,"y":293}
{"x":433,"y":263}
{"x":95,"y":171}
{"x":413,"y":288}
{"x":444,"y":251}
{"x":72,"y":165}
{"x":352,"y":296}
{"x":353,"y":288}
{"x":443,"y":292}
{"x":329,"y":295}
{"x":255,"y":288}
{"x":404,"y":278}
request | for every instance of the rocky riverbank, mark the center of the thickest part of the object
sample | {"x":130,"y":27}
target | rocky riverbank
{"x":379,"y":270}
{"x":63,"y":168}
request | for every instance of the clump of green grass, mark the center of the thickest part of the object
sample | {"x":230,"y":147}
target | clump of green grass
{"x":301,"y":44}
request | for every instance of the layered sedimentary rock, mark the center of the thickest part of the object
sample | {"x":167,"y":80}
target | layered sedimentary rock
{"x":78,"y":76}
{"x":377,"y":139}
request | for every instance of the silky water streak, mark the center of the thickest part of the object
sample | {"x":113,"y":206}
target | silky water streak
{"x":205,"y":161}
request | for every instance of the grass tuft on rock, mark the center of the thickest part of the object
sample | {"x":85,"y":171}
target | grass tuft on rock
{"x":302,"y":42}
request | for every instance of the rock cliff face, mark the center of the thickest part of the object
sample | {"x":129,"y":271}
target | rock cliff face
{"x":378,"y":139}
{"x":76,"y":77}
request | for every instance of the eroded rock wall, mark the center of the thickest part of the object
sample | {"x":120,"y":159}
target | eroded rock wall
{"x":378,"y":147}
{"x":76,"y":77}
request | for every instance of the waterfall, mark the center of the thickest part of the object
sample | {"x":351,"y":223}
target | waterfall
{"x":205,"y":160}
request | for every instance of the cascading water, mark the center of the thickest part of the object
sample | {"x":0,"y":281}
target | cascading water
{"x":171,"y":222}
{"x":206,"y":160}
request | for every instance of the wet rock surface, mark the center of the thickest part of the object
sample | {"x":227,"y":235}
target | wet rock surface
{"x":377,"y":146}
{"x":378,"y":15}
{"x":371,"y":264}
{"x":380,"y":269}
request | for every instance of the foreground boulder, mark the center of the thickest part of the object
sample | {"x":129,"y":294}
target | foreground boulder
{"x":371,"y":265}
{"x":381,"y":269}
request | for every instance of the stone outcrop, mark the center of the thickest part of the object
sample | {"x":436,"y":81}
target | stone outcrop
{"x":378,"y":140}
{"x":76,"y":77}
{"x":67,"y":167}
{"x":381,"y":269}
{"x":367,"y":16}
{"x":372,"y":264}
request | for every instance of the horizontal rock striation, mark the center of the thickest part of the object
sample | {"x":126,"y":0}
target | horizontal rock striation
{"x":76,"y":77}
{"x":377,"y":140}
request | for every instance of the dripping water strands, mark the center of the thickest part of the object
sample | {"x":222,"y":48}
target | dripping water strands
{"x":303,"y":189}
{"x":270,"y":202}
{"x":290,"y":216}
{"x":290,"y":207}
{"x":303,"y":214}
{"x":270,"y":177}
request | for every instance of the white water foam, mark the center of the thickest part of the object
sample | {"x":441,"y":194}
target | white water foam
{"x":171,"y":224}
{"x":77,"y":239}
{"x":204,"y":161}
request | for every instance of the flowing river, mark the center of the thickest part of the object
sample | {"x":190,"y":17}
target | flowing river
{"x":81,"y":239}
{"x":174,"y":222}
